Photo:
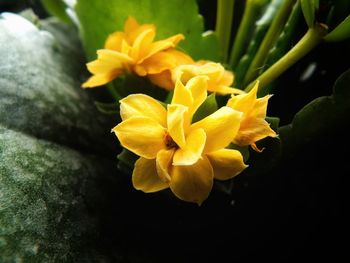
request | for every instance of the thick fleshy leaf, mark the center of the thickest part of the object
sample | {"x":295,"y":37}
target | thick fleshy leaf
{"x":143,"y":106}
{"x":145,"y":177}
{"x":309,"y":8}
{"x":220,"y":127}
{"x":99,"y":18}
{"x":341,"y":32}
{"x":208,"y":107}
{"x":320,"y":117}
{"x":141,"y":135}
{"x":226,"y":163}
{"x":188,"y":155}
{"x":40,"y":78}
{"x":192,"y":183}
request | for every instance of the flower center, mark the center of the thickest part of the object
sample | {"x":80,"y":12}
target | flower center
{"x":169,"y":142}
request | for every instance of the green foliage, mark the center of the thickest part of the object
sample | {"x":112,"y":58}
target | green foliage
{"x":56,"y":8}
{"x":319,"y":117}
{"x":341,"y":32}
{"x":208,"y":107}
{"x":99,"y":18}
{"x":309,"y":8}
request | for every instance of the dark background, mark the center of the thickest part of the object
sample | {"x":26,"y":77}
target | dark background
{"x":291,"y":212}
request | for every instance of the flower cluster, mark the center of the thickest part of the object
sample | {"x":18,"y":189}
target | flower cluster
{"x":175,"y":151}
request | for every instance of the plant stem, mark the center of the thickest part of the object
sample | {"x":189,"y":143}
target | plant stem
{"x":224,"y":17}
{"x":248,"y":18}
{"x":269,"y":40}
{"x":310,"y":40}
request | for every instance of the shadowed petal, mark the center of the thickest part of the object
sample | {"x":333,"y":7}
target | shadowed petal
{"x":163,"y":162}
{"x":226,"y":163}
{"x":143,"y":106}
{"x":145,"y":177}
{"x":141,"y":135}
{"x":192,"y":183}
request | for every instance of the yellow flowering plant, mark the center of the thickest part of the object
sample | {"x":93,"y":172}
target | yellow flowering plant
{"x":139,"y":130}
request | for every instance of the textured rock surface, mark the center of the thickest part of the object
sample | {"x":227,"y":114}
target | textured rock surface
{"x":47,"y":199}
{"x":40,"y":92}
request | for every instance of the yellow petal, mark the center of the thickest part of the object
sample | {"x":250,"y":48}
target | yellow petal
{"x":161,"y":45}
{"x":175,"y":121}
{"x":163,"y":162}
{"x":143,"y":106}
{"x":145,"y":177}
{"x":142,"y":44}
{"x":220,"y":127}
{"x":114,"y":41}
{"x":224,"y":90}
{"x":162,"y":79}
{"x":244,"y":102}
{"x":198,"y":88}
{"x":155,"y":64}
{"x":253,"y":130}
{"x":226,"y":163}
{"x":101,"y":79}
{"x":130,"y":25}
{"x":192,"y":183}
{"x":193,"y":149}
{"x":182,"y":95}
{"x":141,"y":135}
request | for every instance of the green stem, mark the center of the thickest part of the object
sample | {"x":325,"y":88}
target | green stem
{"x":310,"y":40}
{"x":269,"y":40}
{"x":248,"y":18}
{"x":114,"y":93}
{"x":224,"y":17}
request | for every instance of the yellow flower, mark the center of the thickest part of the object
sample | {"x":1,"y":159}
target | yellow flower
{"x":134,"y":50}
{"x":219,"y":79}
{"x":174,"y":152}
{"x":253,"y":125}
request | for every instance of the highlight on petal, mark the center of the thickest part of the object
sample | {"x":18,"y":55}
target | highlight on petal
{"x":193,"y":149}
{"x":145,"y":177}
{"x":226,"y":163}
{"x":142,"y":44}
{"x":141,"y":135}
{"x":175,"y":120}
{"x":198,"y":87}
{"x":192,"y":183}
{"x":163,"y":163}
{"x":220,"y":127}
{"x":143,"y":106}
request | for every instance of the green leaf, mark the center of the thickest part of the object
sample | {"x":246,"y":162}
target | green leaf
{"x":99,"y":18}
{"x":274,"y":122}
{"x":108,"y":108}
{"x":320,"y":117}
{"x":309,"y":8}
{"x":208,"y":107}
{"x":341,"y":32}
{"x":56,"y":8}
{"x":40,"y":78}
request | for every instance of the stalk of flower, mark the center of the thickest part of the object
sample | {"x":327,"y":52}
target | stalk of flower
{"x":219,"y":79}
{"x":253,"y":126}
{"x":135,"y":50}
{"x":174,"y":152}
